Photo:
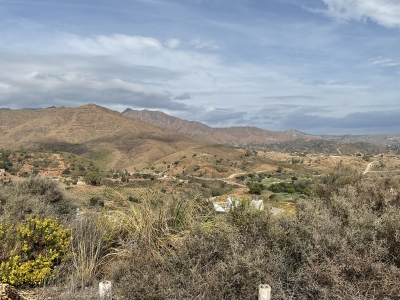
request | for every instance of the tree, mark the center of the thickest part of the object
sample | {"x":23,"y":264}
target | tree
{"x":93,"y":178}
{"x":290,"y":189}
{"x":255,"y":189}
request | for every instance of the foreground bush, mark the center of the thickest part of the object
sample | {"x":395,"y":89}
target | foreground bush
{"x":35,"y":196}
{"x":34,"y":248}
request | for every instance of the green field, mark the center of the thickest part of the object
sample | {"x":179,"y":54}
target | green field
{"x":268,"y":181}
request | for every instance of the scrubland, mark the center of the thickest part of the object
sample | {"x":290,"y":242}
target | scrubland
{"x":341,"y":243}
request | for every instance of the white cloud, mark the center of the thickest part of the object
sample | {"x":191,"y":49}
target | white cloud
{"x":210,"y":109}
{"x":172,"y":43}
{"x":384,"y":12}
{"x":381,"y":61}
{"x":101,"y":44}
{"x":202,"y":44}
{"x":4,"y":86}
{"x":386,"y":63}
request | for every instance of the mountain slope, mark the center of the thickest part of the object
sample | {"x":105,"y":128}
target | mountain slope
{"x":231,"y":135}
{"x":261,"y":138}
{"x":92,"y":131}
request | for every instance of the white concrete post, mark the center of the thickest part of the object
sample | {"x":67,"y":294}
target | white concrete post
{"x":264,"y":292}
{"x":105,"y":290}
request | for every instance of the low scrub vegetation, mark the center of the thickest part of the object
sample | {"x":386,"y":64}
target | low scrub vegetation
{"x":343,"y":243}
{"x":31,"y":250}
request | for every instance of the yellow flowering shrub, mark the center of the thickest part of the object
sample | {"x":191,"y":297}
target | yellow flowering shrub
{"x":40,"y":244}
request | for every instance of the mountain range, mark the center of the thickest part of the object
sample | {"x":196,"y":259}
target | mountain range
{"x":257,"y":137}
{"x":96,"y":132}
{"x":136,"y":139}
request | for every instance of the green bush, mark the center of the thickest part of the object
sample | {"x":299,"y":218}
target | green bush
{"x":96,"y":201}
{"x":255,"y":188}
{"x":93,"y":178}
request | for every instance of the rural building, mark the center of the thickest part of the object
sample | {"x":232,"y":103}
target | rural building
{"x":2,"y":172}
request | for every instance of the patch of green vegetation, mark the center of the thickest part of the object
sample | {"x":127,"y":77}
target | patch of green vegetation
{"x":268,"y":181}
{"x":102,"y":157}
{"x":286,"y":197}
{"x":300,"y":187}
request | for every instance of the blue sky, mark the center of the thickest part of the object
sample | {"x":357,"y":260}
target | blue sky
{"x":319,"y":66}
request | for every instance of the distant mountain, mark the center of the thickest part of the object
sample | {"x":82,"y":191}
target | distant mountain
{"x":298,"y":134}
{"x":326,"y":146}
{"x":230,"y":136}
{"x":377,"y":139}
{"x":93,"y":131}
{"x":291,"y":140}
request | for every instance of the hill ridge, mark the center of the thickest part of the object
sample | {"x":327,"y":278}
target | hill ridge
{"x":236,"y":135}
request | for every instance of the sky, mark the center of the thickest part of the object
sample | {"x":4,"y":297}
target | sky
{"x":318,"y":66}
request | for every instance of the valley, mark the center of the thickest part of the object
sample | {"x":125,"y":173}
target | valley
{"x":166,"y":202}
{"x":70,"y":144}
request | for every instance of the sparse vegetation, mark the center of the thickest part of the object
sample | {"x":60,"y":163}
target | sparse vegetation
{"x":176,"y":247}
{"x":146,"y":217}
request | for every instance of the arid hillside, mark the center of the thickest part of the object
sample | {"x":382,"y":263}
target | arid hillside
{"x":232,"y":135}
{"x":250,"y":136}
{"x":110,"y":138}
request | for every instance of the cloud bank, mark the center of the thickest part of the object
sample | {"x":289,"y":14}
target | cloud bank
{"x":383,"y":12}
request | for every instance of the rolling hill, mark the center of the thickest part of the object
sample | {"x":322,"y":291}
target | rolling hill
{"x":114,"y":140}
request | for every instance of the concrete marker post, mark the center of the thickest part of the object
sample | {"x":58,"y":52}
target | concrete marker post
{"x":105,"y":290}
{"x":264,"y":292}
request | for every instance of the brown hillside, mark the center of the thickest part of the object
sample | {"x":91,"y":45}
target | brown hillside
{"x":251,"y":134}
{"x":192,"y":129}
{"x":232,"y":135}
{"x":93,"y":131}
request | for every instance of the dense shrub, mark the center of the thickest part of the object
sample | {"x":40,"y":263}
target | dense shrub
{"x":31,"y":250}
{"x":93,"y":178}
{"x":255,"y":188}
{"x":35,"y":196}
{"x":219,"y":190}
{"x":301,"y":187}
{"x":342,"y":175}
